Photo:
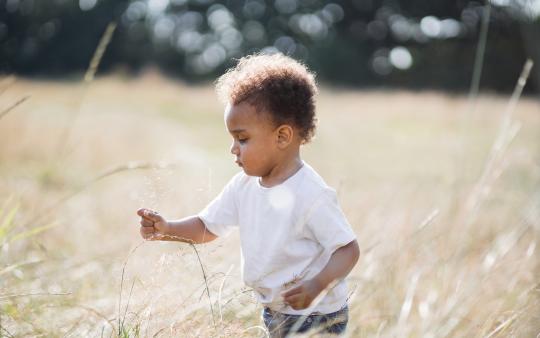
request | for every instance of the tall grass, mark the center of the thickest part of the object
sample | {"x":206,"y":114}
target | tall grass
{"x":426,"y":270}
{"x":437,"y":260}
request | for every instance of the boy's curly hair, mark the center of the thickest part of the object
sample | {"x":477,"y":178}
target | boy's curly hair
{"x":276,"y":84}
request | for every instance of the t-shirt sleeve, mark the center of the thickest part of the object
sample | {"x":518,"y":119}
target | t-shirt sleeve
{"x":327,"y":224}
{"x":221,"y":215}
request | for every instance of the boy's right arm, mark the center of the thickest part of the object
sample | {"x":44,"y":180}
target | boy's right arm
{"x":189,"y":230}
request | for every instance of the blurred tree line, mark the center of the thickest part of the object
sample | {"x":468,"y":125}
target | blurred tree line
{"x":408,"y":43}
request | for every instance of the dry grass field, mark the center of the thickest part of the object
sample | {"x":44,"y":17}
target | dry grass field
{"x":447,"y":217}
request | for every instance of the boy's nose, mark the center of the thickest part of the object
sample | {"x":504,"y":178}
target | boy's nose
{"x":234,"y":148}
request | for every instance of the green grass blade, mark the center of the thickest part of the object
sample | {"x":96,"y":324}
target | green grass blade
{"x":7,"y":222}
{"x":31,"y":232}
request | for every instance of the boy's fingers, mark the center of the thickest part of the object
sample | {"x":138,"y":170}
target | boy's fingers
{"x":296,"y":299}
{"x":146,"y":213}
{"x":292,"y":291}
{"x":140,"y":212}
{"x":146,"y":223}
{"x":149,"y":214}
{"x":147,"y":232}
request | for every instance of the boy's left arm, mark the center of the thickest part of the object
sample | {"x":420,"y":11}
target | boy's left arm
{"x":338,"y":267}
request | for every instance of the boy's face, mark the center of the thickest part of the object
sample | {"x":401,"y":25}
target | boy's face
{"x":255,"y":141}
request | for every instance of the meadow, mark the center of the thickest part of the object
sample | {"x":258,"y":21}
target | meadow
{"x":443,"y":194}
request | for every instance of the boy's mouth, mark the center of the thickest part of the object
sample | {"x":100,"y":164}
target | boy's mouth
{"x":238,"y":163}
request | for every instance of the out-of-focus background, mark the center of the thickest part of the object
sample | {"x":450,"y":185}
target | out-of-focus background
{"x":411,"y":44}
{"x":429,"y":129}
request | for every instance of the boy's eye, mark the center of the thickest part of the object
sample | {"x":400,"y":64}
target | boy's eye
{"x":242,"y":140}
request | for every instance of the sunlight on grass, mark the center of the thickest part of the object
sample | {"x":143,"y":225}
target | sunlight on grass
{"x":73,"y":264}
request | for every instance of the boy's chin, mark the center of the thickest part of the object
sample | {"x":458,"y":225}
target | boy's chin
{"x":247,"y":172}
{"x":250,"y":172}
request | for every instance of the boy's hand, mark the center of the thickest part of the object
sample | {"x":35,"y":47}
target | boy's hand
{"x":153,"y":225}
{"x":301,"y":296}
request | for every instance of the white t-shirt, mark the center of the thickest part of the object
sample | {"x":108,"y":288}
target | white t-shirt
{"x":287,"y":232}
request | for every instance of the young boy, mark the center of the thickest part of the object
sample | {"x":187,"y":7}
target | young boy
{"x":297,"y":246}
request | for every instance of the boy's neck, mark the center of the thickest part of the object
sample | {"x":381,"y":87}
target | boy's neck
{"x":282,"y":172}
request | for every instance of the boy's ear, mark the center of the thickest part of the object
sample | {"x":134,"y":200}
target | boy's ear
{"x":285,"y":134}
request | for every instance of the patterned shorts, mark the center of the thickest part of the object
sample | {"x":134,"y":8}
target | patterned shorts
{"x":281,"y":325}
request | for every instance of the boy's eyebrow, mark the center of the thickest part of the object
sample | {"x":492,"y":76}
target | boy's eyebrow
{"x":236,"y":131}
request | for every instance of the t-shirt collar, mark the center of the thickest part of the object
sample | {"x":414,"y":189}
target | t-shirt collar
{"x":291,"y":179}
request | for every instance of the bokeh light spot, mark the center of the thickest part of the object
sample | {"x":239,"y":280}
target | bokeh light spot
{"x":136,"y":11}
{"x":156,"y":7}
{"x":86,"y":5}
{"x":285,"y":44}
{"x":401,"y":58}
{"x":253,"y":31}
{"x":430,"y":26}
{"x":163,"y":28}
{"x":190,"y":41}
{"x":333,"y":12}
{"x":219,"y":17}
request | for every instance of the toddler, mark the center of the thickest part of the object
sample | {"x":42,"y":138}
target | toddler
{"x":297,"y":246}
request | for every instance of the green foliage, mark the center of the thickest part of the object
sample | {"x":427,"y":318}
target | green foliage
{"x":346,"y":42}
{"x":8,"y":232}
{"x":127,"y":331}
{"x":7,"y":214}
